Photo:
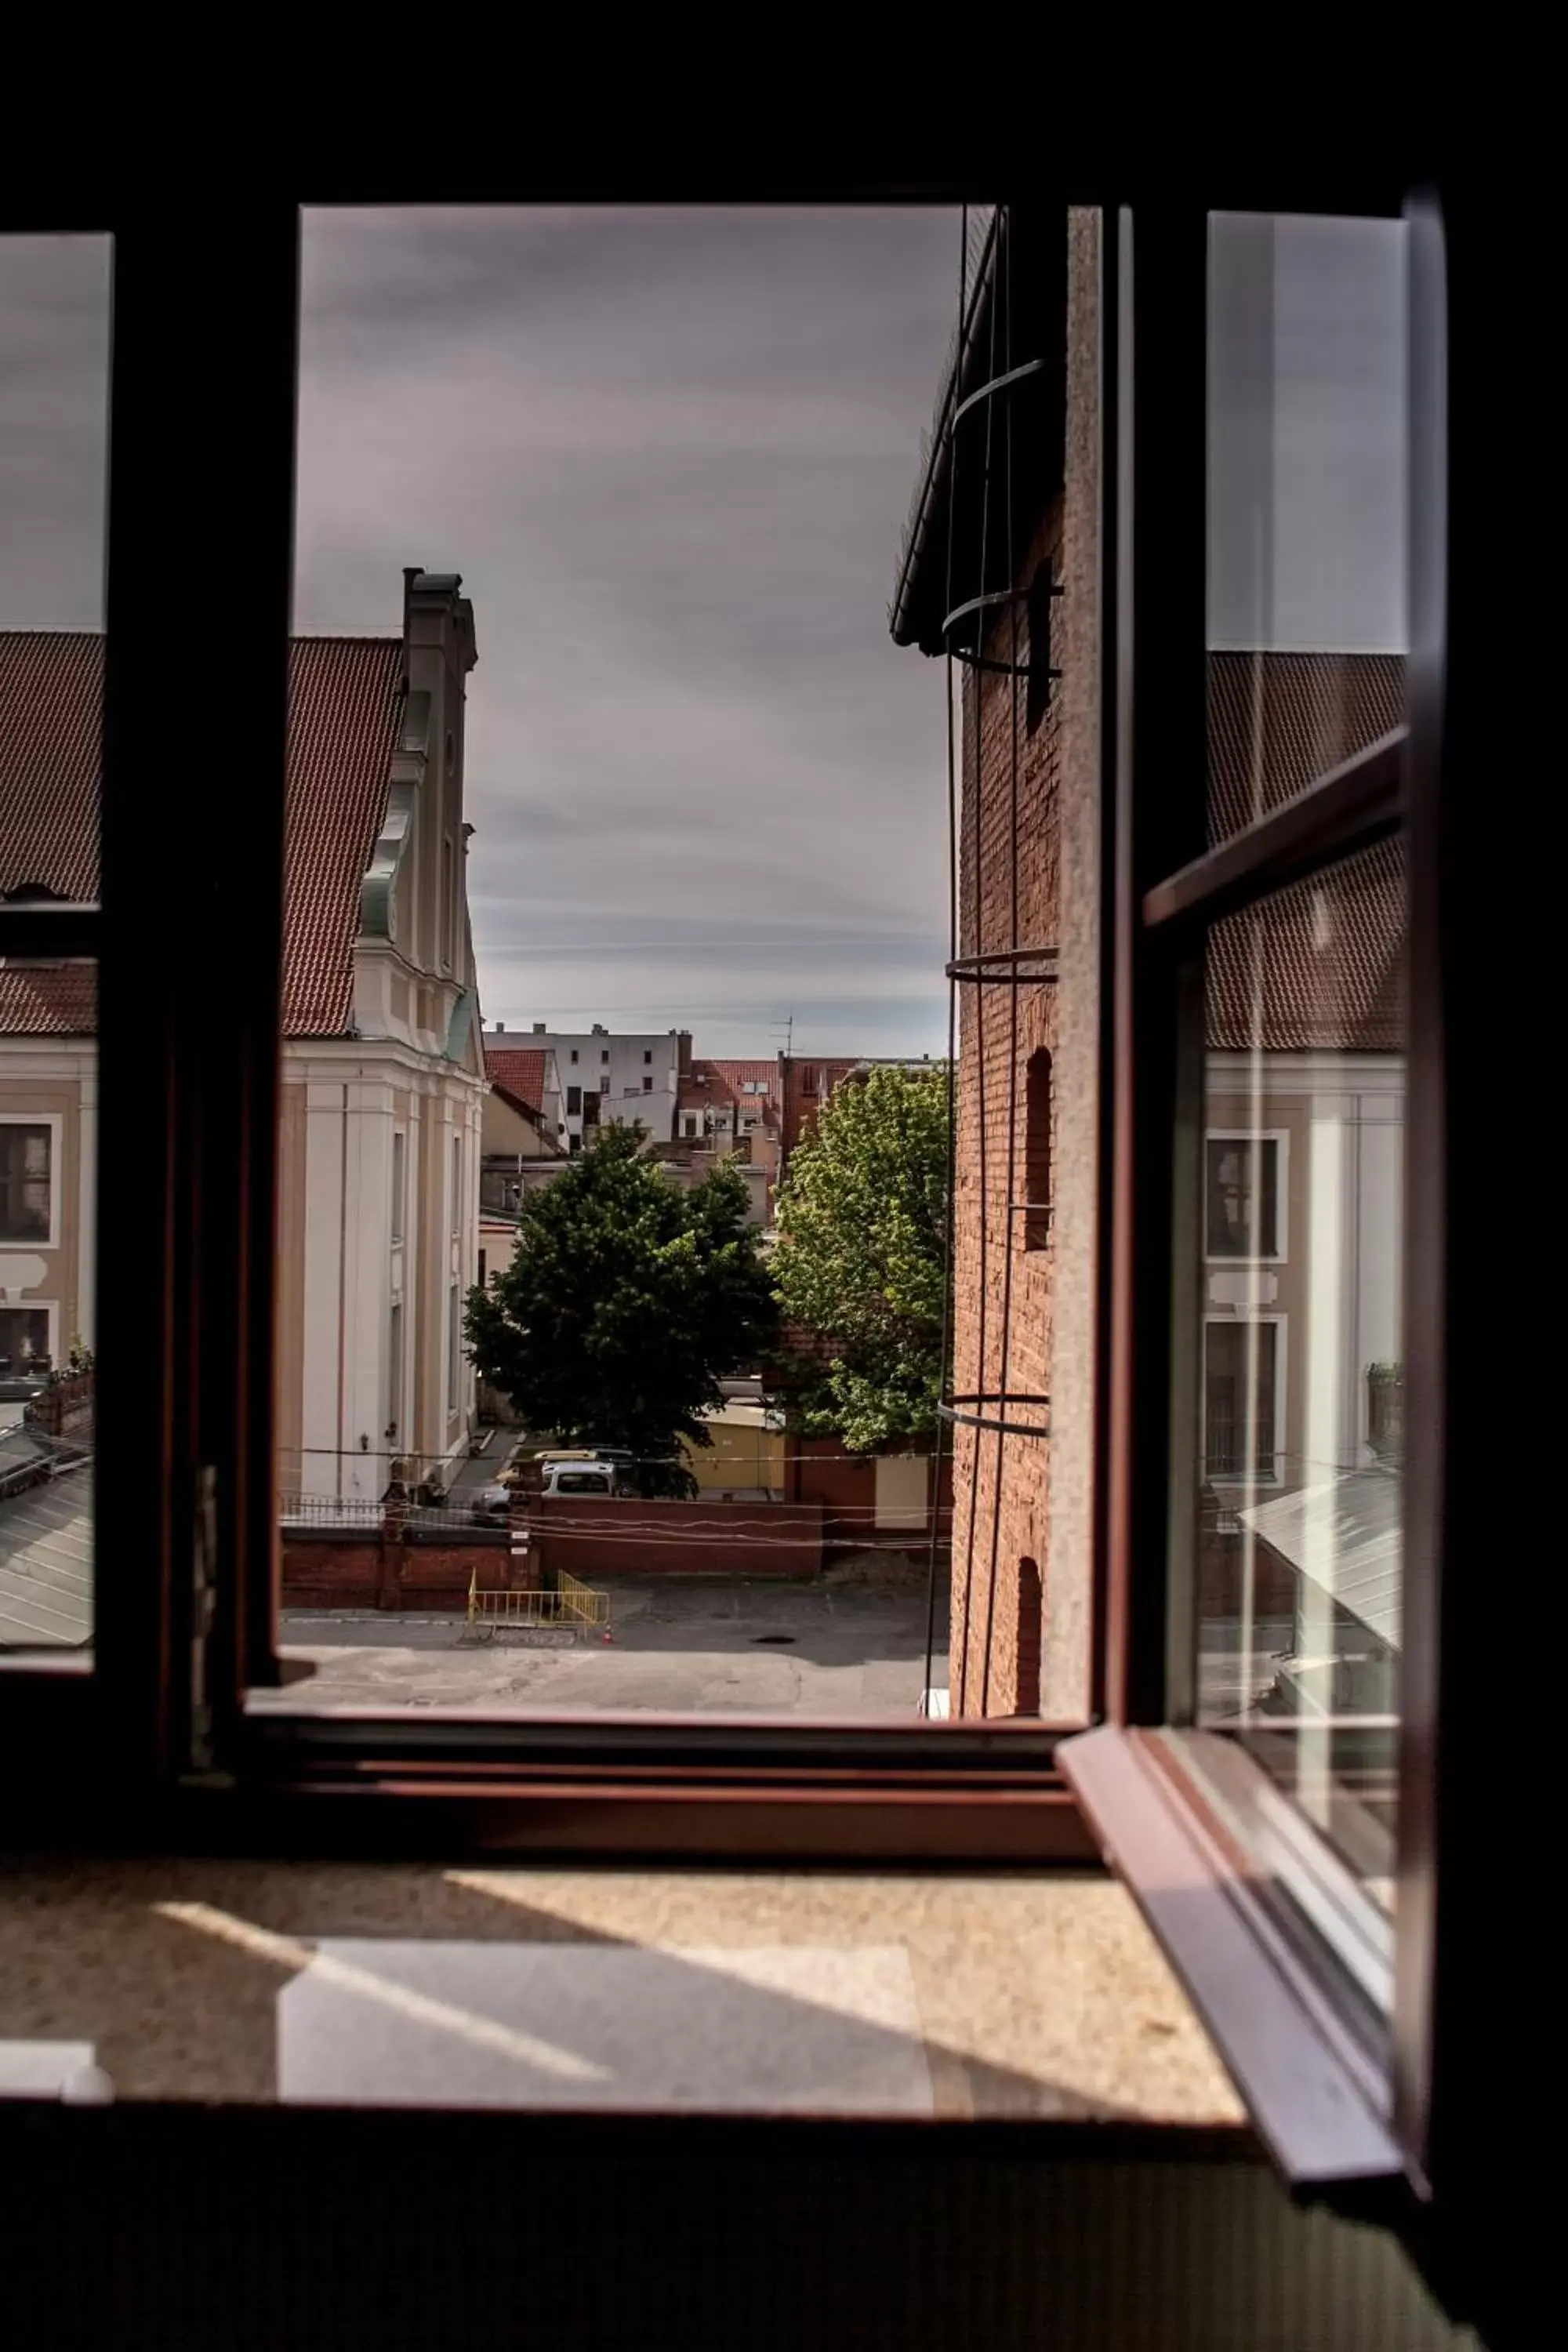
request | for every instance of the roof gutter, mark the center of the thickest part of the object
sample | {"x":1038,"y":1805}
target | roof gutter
{"x":922,"y":542}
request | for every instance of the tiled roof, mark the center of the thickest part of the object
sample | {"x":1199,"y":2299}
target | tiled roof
{"x":345,"y":698}
{"x":345,"y":701}
{"x":1278,"y":721}
{"x":736,"y":1077}
{"x":1321,"y":966}
{"x":58,"y":1000}
{"x":51,"y":749}
{"x":519,"y":1069}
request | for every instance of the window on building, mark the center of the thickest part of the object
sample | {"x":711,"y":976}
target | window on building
{"x":1038,"y":1150}
{"x":647,"y":1086}
{"x":1241,"y":1193}
{"x":1029,"y":1632}
{"x":573,"y":1054}
{"x":604,"y":1053}
{"x":395,"y":1373}
{"x":574,"y":1100}
{"x":689,"y":1124}
{"x":399,"y":1183}
{"x":1240,"y":1360}
{"x":573,"y":1145}
{"x":647,"y":1053}
{"x":481,"y":1269}
{"x":24,"y":1340}
{"x":26,"y":1162}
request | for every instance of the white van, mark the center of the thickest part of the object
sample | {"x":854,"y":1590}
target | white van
{"x":581,"y":1473}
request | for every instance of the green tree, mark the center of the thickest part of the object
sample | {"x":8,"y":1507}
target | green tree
{"x":861,"y":1259}
{"x":628,"y":1300}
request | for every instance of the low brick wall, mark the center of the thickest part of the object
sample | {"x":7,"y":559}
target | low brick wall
{"x":592,"y":1537}
{"x":358,"y":1569}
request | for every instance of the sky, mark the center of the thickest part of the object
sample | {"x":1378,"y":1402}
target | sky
{"x":671,"y":454}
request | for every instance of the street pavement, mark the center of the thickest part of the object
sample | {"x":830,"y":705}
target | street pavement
{"x":848,"y":1644}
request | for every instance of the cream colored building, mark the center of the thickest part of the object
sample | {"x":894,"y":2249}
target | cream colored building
{"x":382,"y":1073}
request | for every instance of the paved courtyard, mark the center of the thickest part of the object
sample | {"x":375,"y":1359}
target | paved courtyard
{"x":850,"y":1644}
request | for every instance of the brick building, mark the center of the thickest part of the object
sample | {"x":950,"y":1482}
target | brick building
{"x":989,"y":522}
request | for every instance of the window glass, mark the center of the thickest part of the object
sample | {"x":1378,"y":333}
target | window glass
{"x":54,"y":382}
{"x":1301,"y":1422}
{"x":1241,"y":1195}
{"x":1307,"y":625}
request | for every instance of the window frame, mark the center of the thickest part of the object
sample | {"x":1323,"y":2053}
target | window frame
{"x":1274,"y":1318}
{"x":154,"y":1740}
{"x":1348,"y":2107}
{"x":1280,"y":1137}
{"x":53,"y":1123}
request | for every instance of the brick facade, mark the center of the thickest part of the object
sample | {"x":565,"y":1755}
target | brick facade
{"x":1003,"y":1257}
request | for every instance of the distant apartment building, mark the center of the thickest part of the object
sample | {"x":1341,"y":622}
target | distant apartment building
{"x":608,"y":1079}
{"x":383,"y":1074}
{"x":734,"y":1107}
{"x":523,"y":1146}
{"x":529,"y":1075}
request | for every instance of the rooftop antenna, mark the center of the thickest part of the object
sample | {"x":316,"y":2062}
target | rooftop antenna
{"x":788,"y":1036}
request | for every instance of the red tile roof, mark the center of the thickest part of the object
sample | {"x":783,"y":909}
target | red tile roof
{"x":521,"y":1070}
{"x":51,"y":751}
{"x":709,"y":1082}
{"x":1278,"y":721}
{"x":1319,"y":967}
{"x":49,"y":1000}
{"x":345,"y":701}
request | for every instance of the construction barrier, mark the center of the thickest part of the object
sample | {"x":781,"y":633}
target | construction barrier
{"x":569,"y":1606}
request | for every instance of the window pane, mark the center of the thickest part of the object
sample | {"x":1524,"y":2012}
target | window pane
{"x":1300,"y":1556}
{"x":1307,"y":495}
{"x":54,"y":380}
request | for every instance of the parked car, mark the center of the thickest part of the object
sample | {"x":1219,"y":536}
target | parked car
{"x":579,"y":1474}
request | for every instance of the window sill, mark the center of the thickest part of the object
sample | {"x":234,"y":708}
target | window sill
{"x":1316,"y":2095}
{"x":1032,"y":1997}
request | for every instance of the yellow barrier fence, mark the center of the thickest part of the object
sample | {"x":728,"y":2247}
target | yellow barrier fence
{"x":569,"y":1605}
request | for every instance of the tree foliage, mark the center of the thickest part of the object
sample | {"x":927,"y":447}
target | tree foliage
{"x":861,"y":1259}
{"x":628,"y":1299}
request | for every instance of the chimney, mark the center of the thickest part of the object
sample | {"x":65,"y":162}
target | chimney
{"x":500,"y":1028}
{"x":539,"y":1029}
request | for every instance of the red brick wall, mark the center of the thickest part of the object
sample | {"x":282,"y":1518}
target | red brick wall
{"x":595,"y":1535}
{"x":364,"y":1573}
{"x":590,"y":1536}
{"x":1003,"y":1289}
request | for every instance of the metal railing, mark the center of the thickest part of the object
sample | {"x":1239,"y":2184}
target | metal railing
{"x":339,"y":1511}
{"x":568,"y":1607}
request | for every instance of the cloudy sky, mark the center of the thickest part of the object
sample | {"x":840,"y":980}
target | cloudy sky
{"x":671,"y":454}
